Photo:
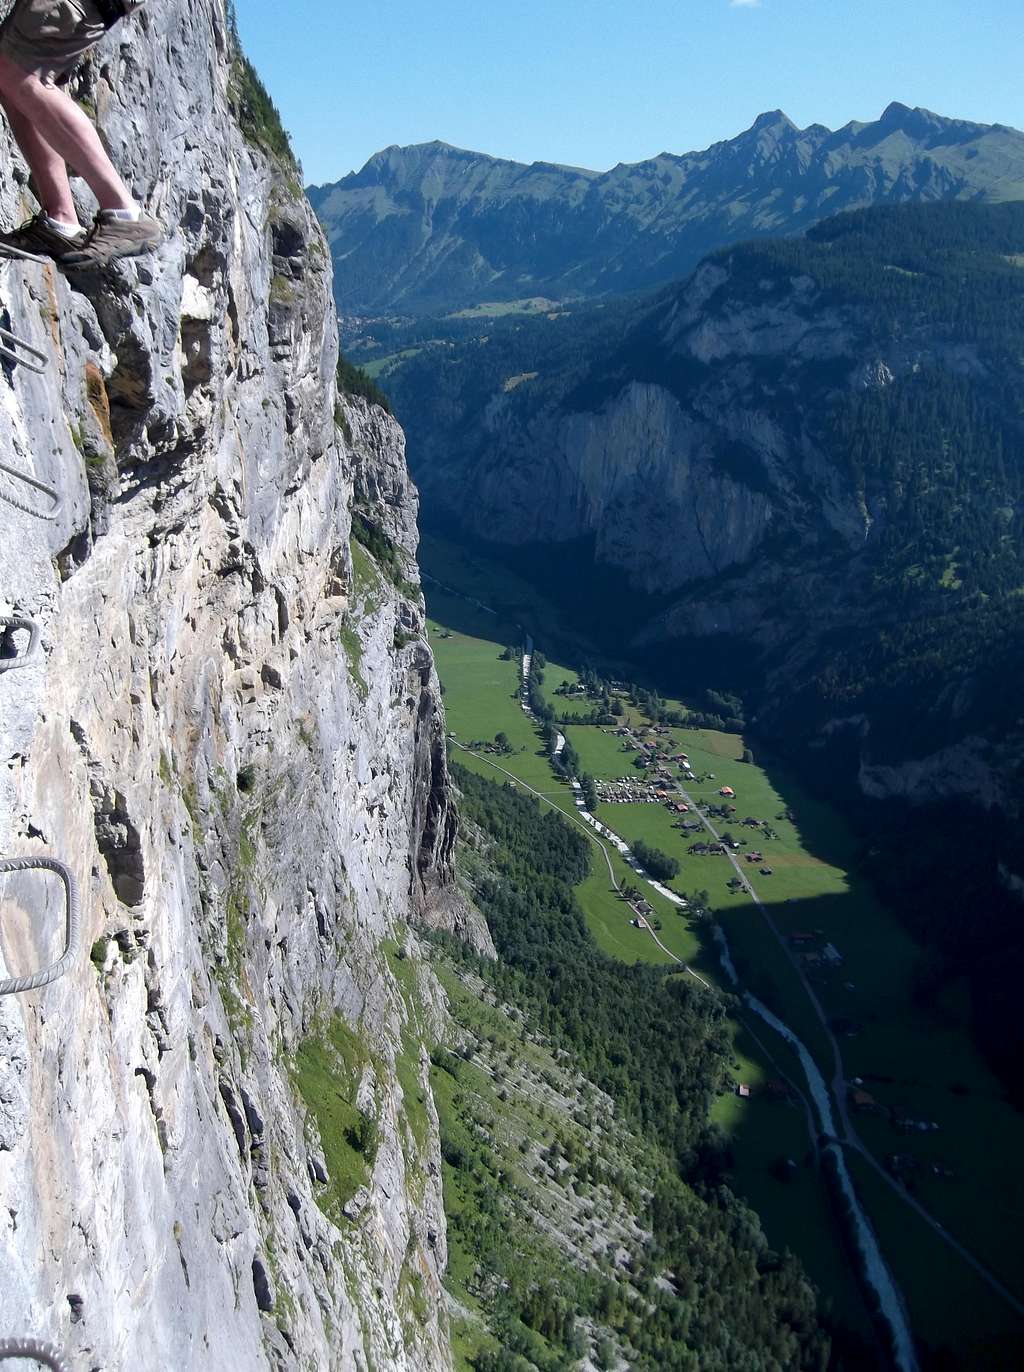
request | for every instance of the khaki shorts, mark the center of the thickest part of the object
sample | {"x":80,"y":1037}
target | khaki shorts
{"x":49,"y":37}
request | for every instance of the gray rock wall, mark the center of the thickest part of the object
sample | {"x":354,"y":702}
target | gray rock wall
{"x":251,"y":811}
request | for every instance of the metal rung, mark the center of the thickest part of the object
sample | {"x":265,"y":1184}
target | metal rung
{"x":9,"y":624}
{"x":73,"y":930}
{"x":28,"y":357}
{"x":42,"y":1352}
{"x":48,"y":491}
{"x":11,"y":346}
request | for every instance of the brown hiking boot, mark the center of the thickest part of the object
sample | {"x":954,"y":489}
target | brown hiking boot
{"x":110,"y":238}
{"x":37,"y":239}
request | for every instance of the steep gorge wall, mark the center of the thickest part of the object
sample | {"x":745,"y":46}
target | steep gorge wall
{"x":728,"y":468}
{"x":233,"y":737}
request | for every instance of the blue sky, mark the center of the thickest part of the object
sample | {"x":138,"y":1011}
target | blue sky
{"x":596,"y":82}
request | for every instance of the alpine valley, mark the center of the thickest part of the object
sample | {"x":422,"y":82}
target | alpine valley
{"x":743,"y":430}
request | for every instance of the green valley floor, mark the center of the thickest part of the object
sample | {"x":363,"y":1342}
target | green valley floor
{"x":926,"y":1105}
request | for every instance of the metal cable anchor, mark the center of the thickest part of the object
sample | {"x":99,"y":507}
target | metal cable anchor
{"x":11,"y":346}
{"x":73,"y":929}
{"x":42,"y":1352}
{"x":9,"y":624}
{"x":55,"y":498}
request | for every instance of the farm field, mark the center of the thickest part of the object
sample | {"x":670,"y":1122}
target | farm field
{"x":499,"y":309}
{"x":601,"y":753}
{"x":481,"y":699}
{"x":763,"y":1133}
{"x":950,"y":1306}
{"x":908,"y":1057}
{"x":652,"y":824}
{"x":381,"y":365}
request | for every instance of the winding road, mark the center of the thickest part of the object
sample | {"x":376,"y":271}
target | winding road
{"x":580,"y":824}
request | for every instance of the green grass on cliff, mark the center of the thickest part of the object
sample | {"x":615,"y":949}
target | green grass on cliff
{"x":326,"y":1072}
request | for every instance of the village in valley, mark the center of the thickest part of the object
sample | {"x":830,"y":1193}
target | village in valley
{"x":702,"y":844}
{"x":665,"y":775}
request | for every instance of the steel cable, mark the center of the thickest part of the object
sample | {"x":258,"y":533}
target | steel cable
{"x":73,"y":927}
{"x":11,"y":346}
{"x":48,"y":491}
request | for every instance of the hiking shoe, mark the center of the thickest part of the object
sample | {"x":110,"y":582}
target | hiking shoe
{"x":37,"y":239}
{"x":110,"y":238}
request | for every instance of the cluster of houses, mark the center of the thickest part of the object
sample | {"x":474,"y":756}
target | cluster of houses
{"x":813,"y":951}
{"x":654,"y":750}
{"x":633,"y":791}
{"x":485,"y":745}
{"x":904,"y":1123}
{"x":714,"y":848}
{"x":758,"y":857}
{"x":642,"y":912}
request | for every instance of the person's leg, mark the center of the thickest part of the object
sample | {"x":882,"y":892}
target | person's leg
{"x":59,"y":129}
{"x":49,"y":172}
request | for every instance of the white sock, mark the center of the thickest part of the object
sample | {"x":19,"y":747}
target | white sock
{"x":131,"y":216}
{"x":62,"y":227}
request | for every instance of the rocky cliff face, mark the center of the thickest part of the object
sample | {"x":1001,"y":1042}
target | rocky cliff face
{"x":677,"y":479}
{"x":232,"y":736}
{"x":639,"y":476}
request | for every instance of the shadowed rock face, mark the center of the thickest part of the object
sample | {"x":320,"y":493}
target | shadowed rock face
{"x":250,"y":810}
{"x":431,"y":228}
{"x":732,"y":459}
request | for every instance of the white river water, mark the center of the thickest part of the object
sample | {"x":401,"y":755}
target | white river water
{"x":876,"y":1269}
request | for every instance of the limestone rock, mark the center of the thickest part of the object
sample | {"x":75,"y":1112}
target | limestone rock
{"x":246,"y":824}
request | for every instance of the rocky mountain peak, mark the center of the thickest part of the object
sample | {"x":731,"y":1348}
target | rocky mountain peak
{"x":919,"y":122}
{"x":773,"y":121}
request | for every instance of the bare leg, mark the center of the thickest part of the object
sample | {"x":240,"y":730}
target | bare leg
{"x":49,"y":172}
{"x":60,"y":130}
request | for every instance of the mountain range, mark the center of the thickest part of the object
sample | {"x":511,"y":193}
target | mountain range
{"x":431,"y":229}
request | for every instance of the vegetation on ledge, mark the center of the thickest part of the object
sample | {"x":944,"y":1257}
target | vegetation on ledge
{"x":352,"y":380}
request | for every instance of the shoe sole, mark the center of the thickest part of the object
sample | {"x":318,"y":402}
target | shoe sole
{"x":133,"y":250}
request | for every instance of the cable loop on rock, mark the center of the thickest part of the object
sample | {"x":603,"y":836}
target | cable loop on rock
{"x":42,"y":1352}
{"x":10,"y":624}
{"x":24,"y":354}
{"x":73,"y":926}
{"x":11,"y":346}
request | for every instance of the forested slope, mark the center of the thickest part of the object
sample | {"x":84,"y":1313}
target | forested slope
{"x":697,"y":1285}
